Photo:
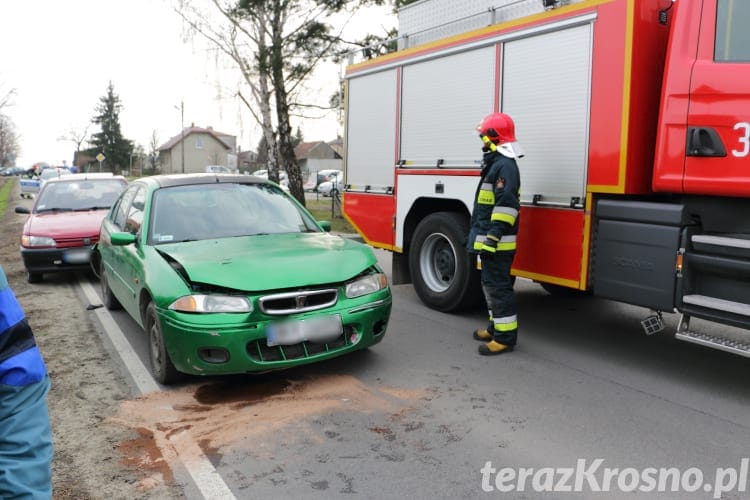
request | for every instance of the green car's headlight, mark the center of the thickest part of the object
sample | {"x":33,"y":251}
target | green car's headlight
{"x":366,"y":284}
{"x":212,"y":304}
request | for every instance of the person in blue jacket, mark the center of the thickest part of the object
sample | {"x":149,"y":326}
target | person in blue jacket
{"x":25,"y":434}
{"x":494,"y":226}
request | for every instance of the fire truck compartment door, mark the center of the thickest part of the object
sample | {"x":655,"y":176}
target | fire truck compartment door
{"x":371,"y":131}
{"x":443,"y":101}
{"x":546,"y":88}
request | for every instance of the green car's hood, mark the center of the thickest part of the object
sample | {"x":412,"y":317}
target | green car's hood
{"x":267,"y":262}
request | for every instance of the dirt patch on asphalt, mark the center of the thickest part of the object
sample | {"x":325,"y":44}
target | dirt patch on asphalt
{"x":229,"y":413}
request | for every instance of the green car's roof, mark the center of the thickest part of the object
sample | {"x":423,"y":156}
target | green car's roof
{"x":171,"y":180}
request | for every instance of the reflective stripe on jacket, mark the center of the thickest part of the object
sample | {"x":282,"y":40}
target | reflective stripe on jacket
{"x":506,"y":243}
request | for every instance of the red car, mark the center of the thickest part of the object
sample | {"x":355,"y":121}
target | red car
{"x":64,"y":222}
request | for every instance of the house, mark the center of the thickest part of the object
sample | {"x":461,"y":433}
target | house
{"x":247,"y":161}
{"x":195,"y":148}
{"x":338,"y":145}
{"x":315,"y":156}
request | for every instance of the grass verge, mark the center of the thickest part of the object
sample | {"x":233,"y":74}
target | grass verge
{"x":5,"y":191}
{"x":324,"y":209}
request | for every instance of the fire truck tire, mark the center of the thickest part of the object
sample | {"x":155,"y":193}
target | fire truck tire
{"x":443,"y":273}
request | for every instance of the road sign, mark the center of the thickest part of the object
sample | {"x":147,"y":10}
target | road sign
{"x":100,"y":157}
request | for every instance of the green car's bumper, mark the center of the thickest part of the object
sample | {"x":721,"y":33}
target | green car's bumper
{"x":202,"y":345}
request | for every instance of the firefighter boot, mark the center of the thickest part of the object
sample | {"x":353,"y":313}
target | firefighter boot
{"x":482,"y":335}
{"x":492,"y":348}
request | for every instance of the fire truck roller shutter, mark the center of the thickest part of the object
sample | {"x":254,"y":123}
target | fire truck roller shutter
{"x":371,"y":131}
{"x":546,"y":88}
{"x":444,"y":275}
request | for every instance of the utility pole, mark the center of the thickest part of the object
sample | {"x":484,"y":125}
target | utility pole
{"x":182,"y":133}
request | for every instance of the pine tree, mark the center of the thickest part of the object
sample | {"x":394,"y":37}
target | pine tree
{"x":109,"y":141}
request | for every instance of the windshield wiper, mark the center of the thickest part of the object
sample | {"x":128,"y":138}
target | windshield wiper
{"x":91,"y":208}
{"x":56,"y":209}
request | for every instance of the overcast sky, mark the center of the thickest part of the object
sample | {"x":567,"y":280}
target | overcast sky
{"x":59,"y":56}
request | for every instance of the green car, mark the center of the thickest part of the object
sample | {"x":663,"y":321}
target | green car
{"x":228,"y":274}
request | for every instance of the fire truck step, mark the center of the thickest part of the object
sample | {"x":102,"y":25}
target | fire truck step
{"x":721,"y":241}
{"x":720,"y":343}
{"x":717,"y":304}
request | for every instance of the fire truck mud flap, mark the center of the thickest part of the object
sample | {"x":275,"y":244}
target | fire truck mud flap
{"x":443,"y":273}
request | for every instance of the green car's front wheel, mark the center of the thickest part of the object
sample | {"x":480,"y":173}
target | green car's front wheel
{"x":162,"y":368}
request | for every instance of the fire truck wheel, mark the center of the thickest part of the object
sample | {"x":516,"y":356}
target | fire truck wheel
{"x":443,"y":273}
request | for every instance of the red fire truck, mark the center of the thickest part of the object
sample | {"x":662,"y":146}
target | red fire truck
{"x":635,"y":119}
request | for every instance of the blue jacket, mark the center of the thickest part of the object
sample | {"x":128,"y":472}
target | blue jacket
{"x":25,"y":435}
{"x":21,"y":362}
{"x":496,"y":204}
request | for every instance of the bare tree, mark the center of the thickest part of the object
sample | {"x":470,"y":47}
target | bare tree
{"x":276,"y":45}
{"x":9,"y":147}
{"x":153,"y":151}
{"x":239,"y":41}
{"x":75,"y":135}
{"x":6,"y":98}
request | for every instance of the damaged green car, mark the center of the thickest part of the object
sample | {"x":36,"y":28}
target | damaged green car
{"x":228,"y":274}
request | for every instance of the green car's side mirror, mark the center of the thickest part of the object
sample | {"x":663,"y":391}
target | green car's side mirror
{"x":326,"y":225}
{"x":122,"y":239}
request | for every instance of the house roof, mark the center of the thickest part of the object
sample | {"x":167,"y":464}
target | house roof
{"x":305,"y":149}
{"x":338,"y":146}
{"x":194,"y":130}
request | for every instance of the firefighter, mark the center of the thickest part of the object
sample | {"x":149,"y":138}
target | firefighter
{"x":494,"y":225}
{"x":25,"y":434}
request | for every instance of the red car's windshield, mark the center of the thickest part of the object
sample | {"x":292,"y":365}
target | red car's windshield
{"x":79,"y":195}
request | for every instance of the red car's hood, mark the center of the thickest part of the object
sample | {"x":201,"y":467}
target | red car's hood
{"x":66,"y":224}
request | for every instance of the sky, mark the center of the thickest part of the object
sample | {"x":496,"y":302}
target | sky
{"x":59,"y":57}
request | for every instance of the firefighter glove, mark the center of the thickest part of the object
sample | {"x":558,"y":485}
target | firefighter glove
{"x":489,"y":246}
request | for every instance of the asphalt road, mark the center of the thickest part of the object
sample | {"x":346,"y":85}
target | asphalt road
{"x":583,"y":384}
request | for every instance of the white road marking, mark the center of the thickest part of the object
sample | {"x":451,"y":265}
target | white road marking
{"x":202,"y":472}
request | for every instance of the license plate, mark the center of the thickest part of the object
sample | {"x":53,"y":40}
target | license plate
{"x":77,"y":256}
{"x":320,"y":330}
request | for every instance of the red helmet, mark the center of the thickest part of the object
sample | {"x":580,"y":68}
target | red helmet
{"x":498,"y":128}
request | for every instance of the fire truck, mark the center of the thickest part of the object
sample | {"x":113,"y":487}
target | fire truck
{"x":635,"y":119}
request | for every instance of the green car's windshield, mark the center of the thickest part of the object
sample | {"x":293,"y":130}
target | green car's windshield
{"x":224,"y":210}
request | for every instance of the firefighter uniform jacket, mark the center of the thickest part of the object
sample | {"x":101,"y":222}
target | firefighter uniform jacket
{"x":496,"y":204}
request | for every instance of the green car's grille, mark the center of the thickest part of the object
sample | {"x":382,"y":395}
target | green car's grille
{"x":298,"y":301}
{"x":260,"y":352}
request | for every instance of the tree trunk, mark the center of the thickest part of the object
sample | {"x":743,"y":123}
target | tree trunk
{"x":287,"y":157}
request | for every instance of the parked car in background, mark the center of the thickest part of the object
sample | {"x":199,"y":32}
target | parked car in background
{"x":9,"y":171}
{"x":218,"y":169}
{"x":53,"y":172}
{"x":64,"y":222}
{"x":229,"y":274}
{"x":328,"y":175}
{"x":335,"y":182}
{"x":283,"y":177}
